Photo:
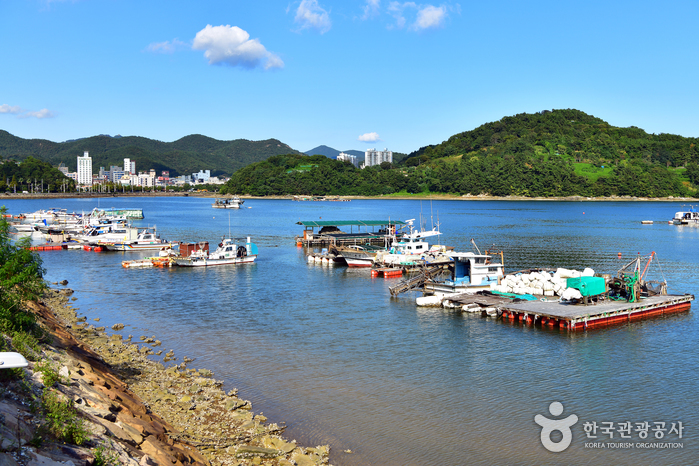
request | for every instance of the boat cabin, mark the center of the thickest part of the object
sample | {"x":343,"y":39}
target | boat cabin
{"x":468,"y":271}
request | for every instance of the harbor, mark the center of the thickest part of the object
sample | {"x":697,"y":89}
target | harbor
{"x":368,"y":388}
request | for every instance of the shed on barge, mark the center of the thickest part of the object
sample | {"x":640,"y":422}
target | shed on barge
{"x":329,"y":233}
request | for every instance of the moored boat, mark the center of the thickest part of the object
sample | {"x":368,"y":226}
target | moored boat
{"x":689,"y":217}
{"x":227,"y":203}
{"x":147,"y":239}
{"x":412,"y":249}
{"x":468,"y":272}
{"x":227,"y":253}
{"x":358,"y":255}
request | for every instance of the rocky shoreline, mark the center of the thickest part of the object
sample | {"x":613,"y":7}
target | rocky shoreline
{"x":136,"y":409}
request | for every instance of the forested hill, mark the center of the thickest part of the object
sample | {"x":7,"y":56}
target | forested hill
{"x":184,"y":156}
{"x":550,"y":154}
{"x":567,"y":134}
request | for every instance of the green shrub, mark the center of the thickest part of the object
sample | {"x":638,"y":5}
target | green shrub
{"x":50,"y":376}
{"x":105,"y":457}
{"x":26,"y":344}
{"x":62,"y":419}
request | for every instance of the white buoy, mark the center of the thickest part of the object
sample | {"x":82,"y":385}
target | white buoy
{"x":429,"y":301}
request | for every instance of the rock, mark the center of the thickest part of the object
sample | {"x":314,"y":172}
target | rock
{"x":64,"y":282}
{"x":303,"y":460}
{"x":249,"y":450}
{"x":6,"y":459}
{"x":147,"y":461}
{"x":117,"y":327}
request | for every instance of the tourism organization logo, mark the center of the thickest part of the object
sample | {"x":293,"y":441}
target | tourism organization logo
{"x":652,"y":435}
{"x":549,"y":426}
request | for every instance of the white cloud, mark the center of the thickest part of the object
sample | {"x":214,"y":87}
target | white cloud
{"x":371,"y":9}
{"x":430,"y":17}
{"x":422,"y":16}
{"x":4,"y":108}
{"x":167,"y":46}
{"x":230,"y":45}
{"x":310,"y":15}
{"x":369,"y":137}
{"x":15,"y":110}
{"x":43,"y":113}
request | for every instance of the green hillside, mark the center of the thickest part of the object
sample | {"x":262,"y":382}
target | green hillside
{"x":184,"y":156}
{"x":547,"y":154}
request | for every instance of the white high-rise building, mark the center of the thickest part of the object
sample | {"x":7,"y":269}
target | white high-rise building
{"x":377,"y":157}
{"x":129,"y":166}
{"x":85,"y":170}
{"x":342,"y":157}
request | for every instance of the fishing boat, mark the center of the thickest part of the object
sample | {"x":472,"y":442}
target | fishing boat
{"x":690,"y":217}
{"x":147,"y":239}
{"x":227,"y":253}
{"x":412,"y":249}
{"x":227,"y":203}
{"x":467,"y":272}
{"x":358,"y":255}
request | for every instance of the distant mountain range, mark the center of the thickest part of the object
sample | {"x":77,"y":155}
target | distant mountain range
{"x":332,"y":153}
{"x":184,"y":156}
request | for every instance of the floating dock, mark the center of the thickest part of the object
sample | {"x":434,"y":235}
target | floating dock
{"x":574,"y":317}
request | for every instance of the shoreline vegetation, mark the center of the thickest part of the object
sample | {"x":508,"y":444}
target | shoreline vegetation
{"x":420,"y":196}
{"x":131,"y":410}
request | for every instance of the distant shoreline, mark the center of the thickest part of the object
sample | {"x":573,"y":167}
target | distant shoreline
{"x":434,"y":197}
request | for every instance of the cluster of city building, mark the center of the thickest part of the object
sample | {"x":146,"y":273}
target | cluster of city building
{"x":371,"y":157}
{"x":127,"y":175}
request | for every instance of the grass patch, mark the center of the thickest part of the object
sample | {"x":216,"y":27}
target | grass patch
{"x":590,"y":171}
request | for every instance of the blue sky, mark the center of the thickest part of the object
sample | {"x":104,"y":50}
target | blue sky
{"x":348,"y":74}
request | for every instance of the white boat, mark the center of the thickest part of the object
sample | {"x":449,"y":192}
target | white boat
{"x":227,"y":203}
{"x":468,"y":273}
{"x":411,"y":249}
{"x":147,"y":239}
{"x":50,"y":215}
{"x":358,"y":256}
{"x":227,"y":253}
{"x":110,"y":233}
{"x":689,"y":217}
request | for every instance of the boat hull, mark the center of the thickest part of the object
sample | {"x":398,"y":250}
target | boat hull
{"x":205,"y":262}
{"x":139,"y":247}
{"x":359,"y":261}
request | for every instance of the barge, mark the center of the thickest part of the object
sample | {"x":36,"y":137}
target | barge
{"x":329,"y":233}
{"x":583,"y":300}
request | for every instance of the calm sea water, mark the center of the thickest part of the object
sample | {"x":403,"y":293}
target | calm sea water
{"x":328,"y":351}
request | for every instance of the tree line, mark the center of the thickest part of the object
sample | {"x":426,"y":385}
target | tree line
{"x":33,"y":175}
